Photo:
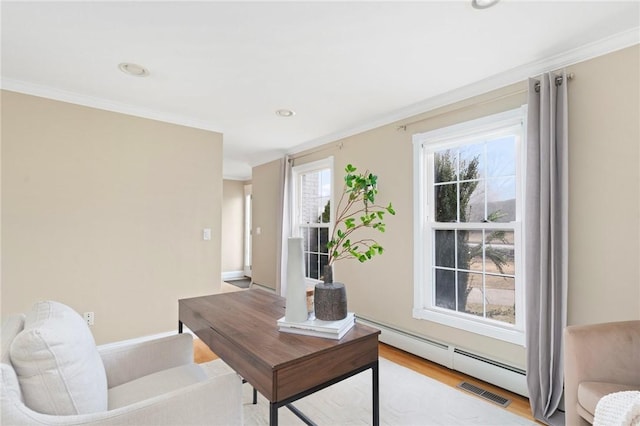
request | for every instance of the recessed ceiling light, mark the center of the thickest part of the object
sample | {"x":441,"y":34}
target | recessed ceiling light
{"x":285,"y":113}
{"x":133,"y":69}
{"x":483,"y":4}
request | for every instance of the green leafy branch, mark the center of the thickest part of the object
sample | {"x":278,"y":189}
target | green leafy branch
{"x":356,"y":210}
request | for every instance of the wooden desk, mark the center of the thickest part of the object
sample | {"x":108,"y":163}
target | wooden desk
{"x":241,"y":329}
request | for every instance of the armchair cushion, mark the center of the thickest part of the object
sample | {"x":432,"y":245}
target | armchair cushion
{"x":589,"y":393}
{"x":57,"y":362}
{"x":155,"y":384}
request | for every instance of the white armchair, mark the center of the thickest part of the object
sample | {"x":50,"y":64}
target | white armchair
{"x":53,"y":374}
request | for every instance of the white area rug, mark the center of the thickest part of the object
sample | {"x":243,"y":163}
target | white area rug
{"x":406,"y":398}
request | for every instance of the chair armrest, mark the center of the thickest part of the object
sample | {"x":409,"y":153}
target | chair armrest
{"x":215,"y":401}
{"x":129,"y":361}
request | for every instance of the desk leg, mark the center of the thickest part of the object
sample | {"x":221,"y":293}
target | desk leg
{"x":273,"y":414}
{"x":376,"y":395}
{"x":179,"y":326}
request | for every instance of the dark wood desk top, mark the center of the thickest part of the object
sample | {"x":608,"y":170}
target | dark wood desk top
{"x":241,"y":328}
{"x":249,"y":318}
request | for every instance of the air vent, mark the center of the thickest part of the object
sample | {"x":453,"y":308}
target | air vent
{"x":482,"y":393}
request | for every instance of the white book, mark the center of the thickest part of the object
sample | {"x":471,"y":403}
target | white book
{"x":313,"y":324}
{"x":334,"y":336}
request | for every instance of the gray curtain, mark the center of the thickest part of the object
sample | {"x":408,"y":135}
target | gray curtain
{"x":546,"y":245}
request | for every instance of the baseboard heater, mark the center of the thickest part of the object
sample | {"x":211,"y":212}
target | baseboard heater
{"x":497,"y":373}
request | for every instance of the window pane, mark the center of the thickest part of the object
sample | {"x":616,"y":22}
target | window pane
{"x":500,"y":252}
{"x":463,"y":249}
{"x":501,"y":157}
{"x":313,"y":240}
{"x":501,"y":298}
{"x":324,"y":239}
{"x":470,"y":293}
{"x":473,"y":249}
{"x":324,"y":261}
{"x":304,"y":233}
{"x":445,"y":166}
{"x":472,"y":162}
{"x":445,"y":249}
{"x":326,"y":213}
{"x":325,"y":183}
{"x":472,"y":201}
{"x":445,"y":288}
{"x":310,"y":198}
{"x":305,"y":196}
{"x":501,"y":199}
{"x":307,"y":268}
{"x":313,"y":266}
{"x":446,"y":204}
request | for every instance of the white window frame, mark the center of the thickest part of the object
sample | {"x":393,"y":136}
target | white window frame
{"x":424,"y":146}
{"x":296,"y":172}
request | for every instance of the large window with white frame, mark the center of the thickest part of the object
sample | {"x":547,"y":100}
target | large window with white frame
{"x":468,"y":226}
{"x":312,"y":215}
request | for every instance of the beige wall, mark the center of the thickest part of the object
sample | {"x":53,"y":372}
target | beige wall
{"x":232,"y":225}
{"x":604,"y":281}
{"x":266,"y":223}
{"x":104,"y":212}
{"x":604,"y":202}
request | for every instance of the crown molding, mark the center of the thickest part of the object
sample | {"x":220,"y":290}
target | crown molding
{"x":589,"y":51}
{"x":103,"y":104}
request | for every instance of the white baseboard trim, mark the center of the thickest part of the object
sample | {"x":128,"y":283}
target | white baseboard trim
{"x":262,"y":287}
{"x":438,"y":352}
{"x":232,"y":275}
{"x":475,"y":365}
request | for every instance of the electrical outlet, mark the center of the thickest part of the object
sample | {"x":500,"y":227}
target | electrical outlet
{"x":89,"y":317}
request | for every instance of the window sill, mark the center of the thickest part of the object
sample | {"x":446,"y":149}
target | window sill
{"x":460,"y":321}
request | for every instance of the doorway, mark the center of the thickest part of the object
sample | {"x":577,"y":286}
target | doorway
{"x":247,"y":230}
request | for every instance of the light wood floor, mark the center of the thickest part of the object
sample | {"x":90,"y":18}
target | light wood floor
{"x":519,"y":405}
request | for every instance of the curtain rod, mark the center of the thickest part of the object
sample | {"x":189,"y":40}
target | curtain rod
{"x":462,"y":108}
{"x":558,"y":81}
{"x":293,"y":157}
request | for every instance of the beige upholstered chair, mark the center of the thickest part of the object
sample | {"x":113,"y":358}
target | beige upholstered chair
{"x":599,"y":359}
{"x":53,"y":374}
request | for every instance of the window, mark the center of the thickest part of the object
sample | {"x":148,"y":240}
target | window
{"x":468,"y":245}
{"x":312,"y":216}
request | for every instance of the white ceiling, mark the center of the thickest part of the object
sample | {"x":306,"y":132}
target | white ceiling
{"x":342,"y":66}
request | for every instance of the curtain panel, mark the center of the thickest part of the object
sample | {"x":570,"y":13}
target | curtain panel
{"x":546,"y":243}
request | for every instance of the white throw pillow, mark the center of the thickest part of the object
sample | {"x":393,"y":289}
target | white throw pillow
{"x":58,"y":365}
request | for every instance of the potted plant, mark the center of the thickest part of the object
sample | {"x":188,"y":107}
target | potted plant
{"x":355,"y":210}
